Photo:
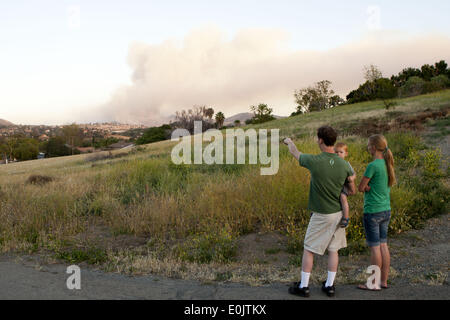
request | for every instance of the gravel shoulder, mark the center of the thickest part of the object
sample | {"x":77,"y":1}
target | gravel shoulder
{"x":21,"y":281}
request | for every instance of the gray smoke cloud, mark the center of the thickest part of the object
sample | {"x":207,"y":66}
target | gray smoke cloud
{"x":255,"y":66}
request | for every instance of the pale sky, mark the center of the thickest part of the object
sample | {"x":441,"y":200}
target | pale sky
{"x":140,"y":61}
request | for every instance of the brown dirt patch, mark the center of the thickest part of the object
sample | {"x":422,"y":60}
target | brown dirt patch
{"x":263,"y":248}
{"x":101,"y":236}
{"x":394,"y":122}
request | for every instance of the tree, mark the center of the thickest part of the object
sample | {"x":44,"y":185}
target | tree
{"x":3,"y":151}
{"x":10,"y":146}
{"x":56,"y":147}
{"x":26,"y":149}
{"x":237,"y":123}
{"x":155,"y":134}
{"x":220,"y":118}
{"x":185,"y":118}
{"x":324,"y":93}
{"x":441,"y":68}
{"x":261,"y":113}
{"x":303,"y":98}
{"x":73,"y":135}
{"x":384,"y":89}
{"x":372,"y":73}
{"x":404,"y":75}
{"x":105,"y":142}
{"x":316,"y":98}
{"x":209,"y":112}
{"x":413,"y":87}
{"x":428,"y":72}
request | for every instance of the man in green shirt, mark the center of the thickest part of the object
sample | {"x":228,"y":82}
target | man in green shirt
{"x":329,"y":173}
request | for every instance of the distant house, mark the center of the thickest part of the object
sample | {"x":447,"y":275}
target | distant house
{"x":43,"y":137}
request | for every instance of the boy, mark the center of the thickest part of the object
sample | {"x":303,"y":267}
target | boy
{"x":342,"y":151}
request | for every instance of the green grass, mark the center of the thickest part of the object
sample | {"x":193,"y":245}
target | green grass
{"x":441,"y":128}
{"x":272,"y":251}
{"x":90,"y":255}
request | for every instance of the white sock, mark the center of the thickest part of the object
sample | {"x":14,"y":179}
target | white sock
{"x":330,"y":279}
{"x":305,"y":279}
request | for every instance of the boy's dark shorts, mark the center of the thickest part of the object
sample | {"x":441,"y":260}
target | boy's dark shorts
{"x":376,"y":227}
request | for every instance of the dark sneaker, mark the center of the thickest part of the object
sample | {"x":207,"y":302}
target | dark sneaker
{"x":302,"y":292}
{"x":330,"y":291}
{"x":344,"y":222}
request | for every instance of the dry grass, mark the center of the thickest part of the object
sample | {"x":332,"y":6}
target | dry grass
{"x":194,"y":213}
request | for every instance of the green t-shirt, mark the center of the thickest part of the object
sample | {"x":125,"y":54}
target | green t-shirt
{"x":378,"y":198}
{"x":328,"y":175}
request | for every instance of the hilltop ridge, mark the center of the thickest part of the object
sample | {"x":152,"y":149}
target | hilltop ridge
{"x":5,"y":123}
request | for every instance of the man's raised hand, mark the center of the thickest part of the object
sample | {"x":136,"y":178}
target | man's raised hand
{"x":292,"y":148}
{"x":287,"y":141}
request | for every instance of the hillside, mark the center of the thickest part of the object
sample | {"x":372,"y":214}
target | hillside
{"x":5,"y":123}
{"x":136,"y":212}
{"x":242,"y":117}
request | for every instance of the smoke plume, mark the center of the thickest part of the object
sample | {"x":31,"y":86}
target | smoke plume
{"x":255,"y":66}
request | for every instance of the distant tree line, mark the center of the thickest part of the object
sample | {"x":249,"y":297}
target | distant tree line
{"x":18,"y":147}
{"x":65,"y":143}
{"x":409,"y":82}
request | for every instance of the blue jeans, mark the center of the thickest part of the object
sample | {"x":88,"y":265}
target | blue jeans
{"x":376,"y":227}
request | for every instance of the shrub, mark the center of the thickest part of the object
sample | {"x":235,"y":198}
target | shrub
{"x":91,"y":255}
{"x":371,"y":90}
{"x":388,"y":104}
{"x":262,"y":113}
{"x":413,"y":87}
{"x":436,"y":83}
{"x":39,"y":179}
{"x":208,"y":247}
{"x":155,"y":134}
{"x":432,"y":161}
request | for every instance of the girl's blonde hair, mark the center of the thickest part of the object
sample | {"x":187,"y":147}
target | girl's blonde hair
{"x":380,"y":144}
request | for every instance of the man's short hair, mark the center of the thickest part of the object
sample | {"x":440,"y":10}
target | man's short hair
{"x":328,"y":135}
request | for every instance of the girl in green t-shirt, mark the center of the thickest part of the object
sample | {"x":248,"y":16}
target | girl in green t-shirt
{"x":376,"y":185}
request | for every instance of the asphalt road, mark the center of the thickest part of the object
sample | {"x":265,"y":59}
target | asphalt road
{"x":19,"y":280}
